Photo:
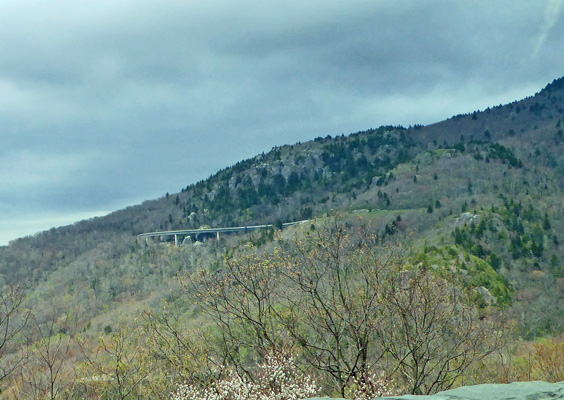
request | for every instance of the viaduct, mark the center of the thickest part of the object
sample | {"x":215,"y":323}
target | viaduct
{"x":213,"y":231}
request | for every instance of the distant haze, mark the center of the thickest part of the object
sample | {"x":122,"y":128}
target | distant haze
{"x":108,"y":103}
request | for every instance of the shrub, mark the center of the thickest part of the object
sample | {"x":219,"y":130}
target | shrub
{"x":278,"y":378}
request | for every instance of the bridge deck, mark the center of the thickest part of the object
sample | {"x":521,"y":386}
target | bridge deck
{"x":214,"y":230}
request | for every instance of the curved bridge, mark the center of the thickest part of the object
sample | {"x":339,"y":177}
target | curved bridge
{"x":215,"y":231}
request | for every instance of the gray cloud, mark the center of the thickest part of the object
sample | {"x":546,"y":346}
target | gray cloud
{"x":108,"y":103}
{"x":551,"y":16}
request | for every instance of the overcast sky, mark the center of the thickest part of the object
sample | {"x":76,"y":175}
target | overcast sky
{"x":108,"y":103}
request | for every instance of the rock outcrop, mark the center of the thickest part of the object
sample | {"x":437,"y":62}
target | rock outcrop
{"x":512,"y":391}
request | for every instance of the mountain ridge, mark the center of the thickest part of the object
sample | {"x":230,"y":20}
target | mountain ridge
{"x":425,"y":134}
{"x":421,"y":173}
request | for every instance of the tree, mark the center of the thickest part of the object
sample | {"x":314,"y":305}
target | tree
{"x":347,"y":306}
{"x":13,"y":319}
{"x":240,"y":299}
{"x":186,"y":358}
{"x":320,"y":301}
{"x":277,"y":378}
{"x":333,"y":310}
{"x":119,"y":366}
{"x":433,"y":332}
{"x":48,"y":373}
{"x":546,"y":222}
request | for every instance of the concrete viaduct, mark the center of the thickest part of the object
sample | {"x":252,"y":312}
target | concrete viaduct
{"x":215,"y":231}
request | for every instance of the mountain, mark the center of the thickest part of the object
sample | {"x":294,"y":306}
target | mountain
{"x":482,"y":191}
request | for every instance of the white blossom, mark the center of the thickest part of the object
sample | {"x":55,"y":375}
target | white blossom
{"x":277,"y":379}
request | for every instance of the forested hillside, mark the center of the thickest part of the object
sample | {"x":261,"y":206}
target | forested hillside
{"x":475,"y":199}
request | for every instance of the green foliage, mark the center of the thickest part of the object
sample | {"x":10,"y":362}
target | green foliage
{"x":499,"y":152}
{"x":472,"y":270}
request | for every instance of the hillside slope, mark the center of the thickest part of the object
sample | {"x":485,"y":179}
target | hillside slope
{"x":482,"y":191}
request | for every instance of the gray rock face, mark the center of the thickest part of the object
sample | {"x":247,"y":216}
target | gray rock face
{"x":512,"y":391}
{"x":486,"y":295}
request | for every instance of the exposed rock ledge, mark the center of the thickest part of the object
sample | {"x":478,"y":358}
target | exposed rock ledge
{"x":513,"y":391}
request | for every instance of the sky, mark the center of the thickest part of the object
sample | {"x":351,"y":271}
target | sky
{"x":109,"y":103}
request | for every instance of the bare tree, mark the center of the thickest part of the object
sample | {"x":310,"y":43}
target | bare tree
{"x":320,"y":296}
{"x":184,"y":357}
{"x":241,"y":300}
{"x":120,"y":366}
{"x":13,"y":319}
{"x":333,"y":298}
{"x":432,"y":331}
{"x":350,"y":307}
{"x":49,"y":372}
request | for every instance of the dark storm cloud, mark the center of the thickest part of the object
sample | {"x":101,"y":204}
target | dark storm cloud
{"x":109,"y":103}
